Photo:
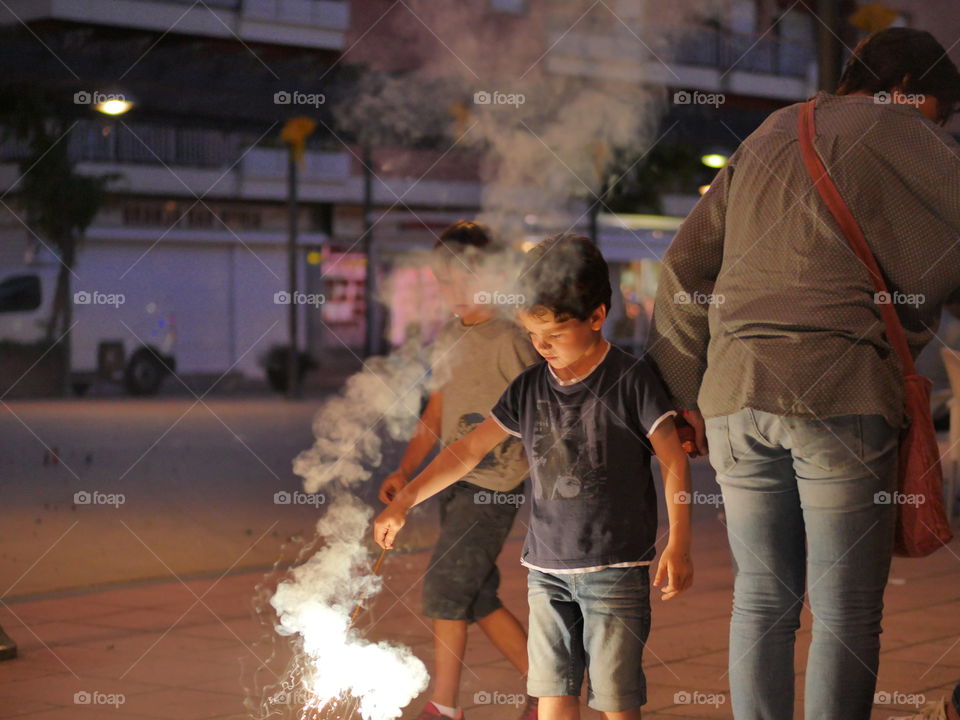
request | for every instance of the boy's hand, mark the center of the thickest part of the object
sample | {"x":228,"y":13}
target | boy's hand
{"x":698,"y":441}
{"x":388,"y":524}
{"x":676,"y":567}
{"x":391,"y":486}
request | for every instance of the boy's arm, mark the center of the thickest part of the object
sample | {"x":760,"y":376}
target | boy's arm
{"x":424,"y":438}
{"x":451,"y":464}
{"x":675,"y":562}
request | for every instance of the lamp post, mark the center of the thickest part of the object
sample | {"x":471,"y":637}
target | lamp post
{"x":295,"y":133}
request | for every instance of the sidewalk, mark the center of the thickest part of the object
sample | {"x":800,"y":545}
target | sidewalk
{"x":172,"y":655}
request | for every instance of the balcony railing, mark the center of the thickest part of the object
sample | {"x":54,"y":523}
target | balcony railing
{"x":725,"y":50}
{"x":144,"y":143}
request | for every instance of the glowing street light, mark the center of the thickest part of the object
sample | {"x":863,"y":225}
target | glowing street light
{"x":714,"y":160}
{"x":113,"y":106}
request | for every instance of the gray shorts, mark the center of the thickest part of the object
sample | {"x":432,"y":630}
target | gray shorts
{"x":462,"y":580}
{"x":595,"y":621}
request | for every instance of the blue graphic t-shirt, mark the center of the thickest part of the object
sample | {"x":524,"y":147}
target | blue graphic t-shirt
{"x":593,"y":498}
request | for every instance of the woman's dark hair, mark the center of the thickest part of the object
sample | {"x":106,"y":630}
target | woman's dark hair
{"x":904,"y":58}
{"x":567,"y":275}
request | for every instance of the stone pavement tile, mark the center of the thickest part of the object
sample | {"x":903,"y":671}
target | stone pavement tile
{"x":912,"y":626}
{"x":83,"y":713}
{"x":694,"y":605}
{"x":943,"y":562}
{"x":29,"y":665}
{"x":920,"y":591}
{"x":149,"y":595}
{"x":14,"y":706}
{"x":67,"y":691}
{"x":685,"y":640}
{"x":140,"y":619}
{"x":673,"y":699}
{"x":69,"y":608}
{"x":58,"y":633}
{"x":694,"y":678}
{"x":904,"y":677}
{"x":183,"y":704}
{"x":718,"y":659}
{"x":945,"y":651}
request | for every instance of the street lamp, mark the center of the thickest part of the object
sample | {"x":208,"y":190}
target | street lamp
{"x":114,"y":106}
{"x":714,"y":160}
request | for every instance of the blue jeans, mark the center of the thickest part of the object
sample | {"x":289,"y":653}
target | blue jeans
{"x":801,"y":502}
{"x":594,"y":621}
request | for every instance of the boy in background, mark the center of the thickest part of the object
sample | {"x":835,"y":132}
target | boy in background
{"x":590,"y":419}
{"x":478,"y":352}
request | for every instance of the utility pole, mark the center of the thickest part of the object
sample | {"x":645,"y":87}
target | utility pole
{"x":371,"y":345}
{"x":828,"y":44}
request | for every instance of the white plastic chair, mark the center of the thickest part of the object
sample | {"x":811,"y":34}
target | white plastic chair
{"x":951,"y":458}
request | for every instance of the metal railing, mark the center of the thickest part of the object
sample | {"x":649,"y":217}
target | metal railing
{"x":725,"y":50}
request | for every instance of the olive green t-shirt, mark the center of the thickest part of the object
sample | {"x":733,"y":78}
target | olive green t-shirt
{"x":472,"y":366}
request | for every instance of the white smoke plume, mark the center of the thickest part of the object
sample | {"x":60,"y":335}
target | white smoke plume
{"x":315,"y":604}
{"x":554,"y":102}
{"x":336,"y":667}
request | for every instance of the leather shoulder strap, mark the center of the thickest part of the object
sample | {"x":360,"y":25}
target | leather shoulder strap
{"x":851,"y":229}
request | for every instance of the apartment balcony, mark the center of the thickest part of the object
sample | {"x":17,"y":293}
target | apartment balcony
{"x":320,"y":24}
{"x":710,"y":59}
{"x":158,"y":159}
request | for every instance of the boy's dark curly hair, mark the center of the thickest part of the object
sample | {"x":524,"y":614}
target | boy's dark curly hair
{"x":566,"y":275}
{"x":467,"y":240}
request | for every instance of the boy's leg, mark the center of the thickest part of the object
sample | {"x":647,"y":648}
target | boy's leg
{"x":625,"y":715}
{"x":615,"y":603}
{"x":495,"y":518}
{"x":555,"y":645}
{"x":461,"y":581}
{"x":562,"y":707}
{"x":508,"y":636}
{"x":450,"y":643}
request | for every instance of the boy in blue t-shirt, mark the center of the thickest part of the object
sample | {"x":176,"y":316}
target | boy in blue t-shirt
{"x":590,"y":418}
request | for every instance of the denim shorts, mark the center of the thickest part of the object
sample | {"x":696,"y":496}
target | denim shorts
{"x":595,"y":621}
{"x":462,"y":579}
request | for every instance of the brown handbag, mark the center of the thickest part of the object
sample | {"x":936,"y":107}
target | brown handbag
{"x":922,"y":525}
